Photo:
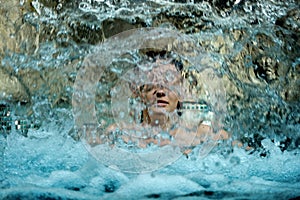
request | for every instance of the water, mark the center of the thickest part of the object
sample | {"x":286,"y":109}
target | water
{"x":44,"y":47}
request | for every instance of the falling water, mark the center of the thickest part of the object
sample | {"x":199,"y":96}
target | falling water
{"x":253,"y":48}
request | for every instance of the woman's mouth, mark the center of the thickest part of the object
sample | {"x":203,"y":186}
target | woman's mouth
{"x":161,"y":103}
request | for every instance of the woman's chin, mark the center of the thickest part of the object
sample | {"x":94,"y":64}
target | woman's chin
{"x":159,"y":109}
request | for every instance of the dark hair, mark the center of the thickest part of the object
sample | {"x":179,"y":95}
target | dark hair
{"x":154,"y":55}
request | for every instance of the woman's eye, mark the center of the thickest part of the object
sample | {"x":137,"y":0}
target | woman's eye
{"x":148,"y":89}
{"x":145,"y":88}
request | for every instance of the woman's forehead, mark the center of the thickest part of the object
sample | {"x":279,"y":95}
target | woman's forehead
{"x":165,"y":65}
{"x":164,"y":73}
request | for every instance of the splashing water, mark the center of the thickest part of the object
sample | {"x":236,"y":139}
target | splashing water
{"x":45,"y":48}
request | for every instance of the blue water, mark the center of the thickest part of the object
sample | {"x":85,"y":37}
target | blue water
{"x":47,"y":161}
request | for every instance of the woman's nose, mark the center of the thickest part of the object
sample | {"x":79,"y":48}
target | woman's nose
{"x":160,"y":93}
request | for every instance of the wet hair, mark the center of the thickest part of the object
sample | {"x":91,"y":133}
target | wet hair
{"x":154,"y":55}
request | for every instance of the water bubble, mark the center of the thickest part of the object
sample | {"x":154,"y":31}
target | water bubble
{"x":235,"y":160}
{"x":59,"y":6}
{"x":85,"y":7}
{"x":36,"y":5}
{"x":207,"y":15}
{"x":122,"y":115}
{"x":223,"y":13}
{"x":206,"y":6}
{"x":22,"y":2}
{"x":247,"y":7}
{"x":281,"y":12}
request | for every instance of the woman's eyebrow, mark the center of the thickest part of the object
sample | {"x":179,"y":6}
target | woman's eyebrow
{"x":145,"y":88}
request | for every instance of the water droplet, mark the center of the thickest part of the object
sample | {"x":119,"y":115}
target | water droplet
{"x":21,"y":2}
{"x":122,"y":115}
{"x":59,"y":6}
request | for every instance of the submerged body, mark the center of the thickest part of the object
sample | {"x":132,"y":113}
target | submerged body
{"x":166,"y":117}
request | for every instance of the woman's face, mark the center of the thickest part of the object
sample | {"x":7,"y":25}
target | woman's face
{"x":159,"y":99}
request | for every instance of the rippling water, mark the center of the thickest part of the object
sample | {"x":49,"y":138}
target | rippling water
{"x":253,"y":45}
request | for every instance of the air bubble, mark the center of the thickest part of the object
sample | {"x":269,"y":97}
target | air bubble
{"x":59,"y":6}
{"x":223,"y":13}
{"x":206,"y":6}
{"x":207,"y":15}
{"x":36,"y":6}
{"x":247,"y":7}
{"x":84,"y":6}
{"x":122,"y":115}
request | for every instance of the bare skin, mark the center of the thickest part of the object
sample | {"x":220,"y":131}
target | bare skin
{"x":162,"y":101}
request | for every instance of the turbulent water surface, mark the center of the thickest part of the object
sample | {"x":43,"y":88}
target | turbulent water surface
{"x":48,"y":47}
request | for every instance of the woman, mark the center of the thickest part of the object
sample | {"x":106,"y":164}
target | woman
{"x":168,"y":115}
